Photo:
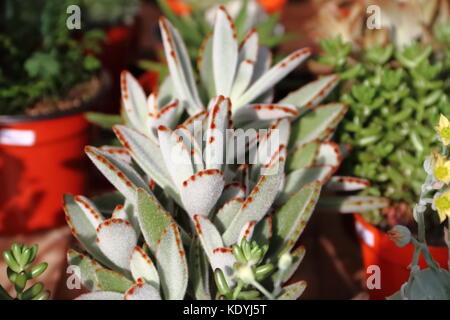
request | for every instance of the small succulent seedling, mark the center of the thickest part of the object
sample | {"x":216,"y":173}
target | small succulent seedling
{"x":19,"y":260}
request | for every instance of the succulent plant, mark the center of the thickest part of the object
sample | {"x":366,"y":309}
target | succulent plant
{"x":190,"y":210}
{"x":433,"y":282}
{"x":19,"y":260}
{"x":195,"y":24}
{"x":394,"y":97}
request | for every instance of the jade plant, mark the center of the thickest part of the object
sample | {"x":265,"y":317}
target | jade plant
{"x":191,"y":220}
{"x":20,"y":269}
{"x":432,"y":282}
{"x":394,"y":97}
{"x":36,"y":73}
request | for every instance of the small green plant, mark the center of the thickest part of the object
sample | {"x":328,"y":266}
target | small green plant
{"x":432,"y":283}
{"x":394,"y":97}
{"x":49,"y":63}
{"x":19,"y":260}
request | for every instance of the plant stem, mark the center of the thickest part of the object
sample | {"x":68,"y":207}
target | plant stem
{"x":263,"y":290}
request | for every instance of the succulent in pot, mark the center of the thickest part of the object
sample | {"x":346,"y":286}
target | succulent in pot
{"x":394,"y":97}
{"x":432,"y":282}
{"x":46,"y":82}
{"x":201,"y":212}
{"x":19,"y":260}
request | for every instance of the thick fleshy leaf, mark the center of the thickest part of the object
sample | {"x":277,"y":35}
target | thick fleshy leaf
{"x":83,"y":228}
{"x":263,"y":231}
{"x":172,"y":265}
{"x":262,"y":65}
{"x":299,"y":178}
{"x":142,"y":266}
{"x":195,"y":148}
{"x":148,"y":155}
{"x":100,"y":295}
{"x":167,"y":116}
{"x":329,"y":155}
{"x":119,"y":152}
{"x":272,"y":76}
{"x":255,"y":206}
{"x":208,"y":234}
{"x":153,"y":219}
{"x":205,"y":65}
{"x":308,"y":96}
{"x":291,"y":218}
{"x":119,"y":173}
{"x":109,"y":280}
{"x":293,"y":291}
{"x":142,"y":291}
{"x":346,"y":184}
{"x":317,"y":124}
{"x":232,"y":190}
{"x":227,"y":213}
{"x":127,"y":212}
{"x":249,"y":46}
{"x":223,"y":258}
{"x":247,"y":231}
{"x":263,"y":112}
{"x":134,"y":101}
{"x":116,"y":238}
{"x":302,"y":156}
{"x":218,"y":121}
{"x":177,"y":157}
{"x":243,"y":78}
{"x":199,"y":271}
{"x":351,"y":204}
{"x":201,"y":191}
{"x":86,"y":267}
{"x":297,"y":257}
{"x":180,"y":67}
{"x":225,"y":52}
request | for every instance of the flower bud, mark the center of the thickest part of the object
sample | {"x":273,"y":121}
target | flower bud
{"x":400,"y":235}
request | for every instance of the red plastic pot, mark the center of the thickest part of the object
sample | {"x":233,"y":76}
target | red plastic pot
{"x":379,"y":250}
{"x":42,"y":158}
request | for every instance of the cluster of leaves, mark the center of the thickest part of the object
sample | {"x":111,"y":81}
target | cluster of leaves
{"x":19,"y":260}
{"x":395,"y":97}
{"x":110,"y":12}
{"x":187,"y":212}
{"x":40,"y":57}
{"x":194,"y":26}
{"x":432,"y":283}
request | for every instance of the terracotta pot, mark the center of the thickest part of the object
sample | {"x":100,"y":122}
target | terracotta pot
{"x":41,"y":158}
{"x":378,"y":249}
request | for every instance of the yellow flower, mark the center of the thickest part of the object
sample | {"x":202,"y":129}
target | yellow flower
{"x":441,"y":168}
{"x":444,"y":129}
{"x":442,"y":204}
